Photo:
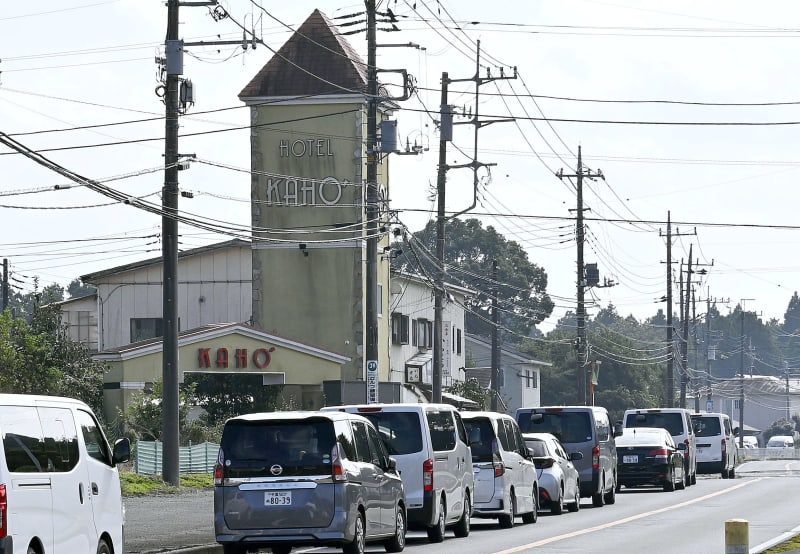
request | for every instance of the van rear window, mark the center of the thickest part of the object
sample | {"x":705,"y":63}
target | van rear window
{"x":568,"y":427}
{"x":299,"y":447}
{"x":481,"y":435}
{"x":400,"y":431}
{"x":706,"y":426}
{"x":672,"y":422}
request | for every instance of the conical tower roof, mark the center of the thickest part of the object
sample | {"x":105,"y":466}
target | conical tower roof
{"x":316,"y":60}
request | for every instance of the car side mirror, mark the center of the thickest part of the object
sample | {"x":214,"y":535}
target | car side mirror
{"x":121,"y":452}
{"x":618,"y":429}
{"x":392,"y":464}
{"x":681,"y":446}
{"x":574,"y":456}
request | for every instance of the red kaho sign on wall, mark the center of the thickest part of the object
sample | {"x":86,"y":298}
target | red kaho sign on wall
{"x":261,"y":357}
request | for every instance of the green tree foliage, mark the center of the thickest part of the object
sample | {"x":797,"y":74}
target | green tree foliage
{"x":25,"y":305}
{"x":471,"y":389}
{"x":39,"y":358}
{"x":469,"y":252}
{"x":779,"y":427}
{"x":77,"y":289}
{"x":224,"y":396}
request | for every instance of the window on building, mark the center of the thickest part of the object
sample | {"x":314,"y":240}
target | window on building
{"x":530,"y":379}
{"x":736,"y":404}
{"x":143,"y":328}
{"x":422,"y":331}
{"x":399,"y":328}
{"x":458,"y":341}
{"x":380,"y":300}
{"x":82,"y":325}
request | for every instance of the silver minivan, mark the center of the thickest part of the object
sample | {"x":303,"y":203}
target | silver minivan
{"x":584,"y":429}
{"x":285,"y":479}
{"x":429,"y":442}
{"x":506,"y":483}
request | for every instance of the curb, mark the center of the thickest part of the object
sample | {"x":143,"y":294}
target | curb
{"x":199,"y":549}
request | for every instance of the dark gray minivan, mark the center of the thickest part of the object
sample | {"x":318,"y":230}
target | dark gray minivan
{"x":285,"y":479}
{"x":584,"y":429}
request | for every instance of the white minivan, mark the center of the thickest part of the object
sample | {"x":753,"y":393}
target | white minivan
{"x":430,"y":444}
{"x":716,"y":444}
{"x":59,"y":488}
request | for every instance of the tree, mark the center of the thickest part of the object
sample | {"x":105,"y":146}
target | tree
{"x":24,"y":305}
{"x":77,"y":289}
{"x":472,"y":390}
{"x":40,"y":358}
{"x":470,"y":251}
{"x":224,"y":396}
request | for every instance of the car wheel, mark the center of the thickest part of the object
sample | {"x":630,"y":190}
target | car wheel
{"x":557,"y":506}
{"x":732,"y":473}
{"x":724,"y":473}
{"x":280,"y":549}
{"x":103,"y":548}
{"x":598,"y":498}
{"x":576,"y":505}
{"x":680,"y":484}
{"x":669,"y":483}
{"x":694,"y":477}
{"x":356,"y":546}
{"x":531,"y":517}
{"x":461,"y":528}
{"x":436,"y":533}
{"x":398,"y":542}
{"x":611,"y":495}
{"x":507,"y":520}
{"x":687,"y":477}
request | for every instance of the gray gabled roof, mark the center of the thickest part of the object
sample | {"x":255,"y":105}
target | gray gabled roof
{"x":316,"y":60}
{"x":91,"y":278}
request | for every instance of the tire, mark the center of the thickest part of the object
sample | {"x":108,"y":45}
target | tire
{"x":398,"y":542}
{"x":732,"y":473}
{"x":687,"y":478}
{"x":507,"y":520}
{"x":694,"y":477}
{"x":356,"y":546}
{"x":103,"y":548}
{"x":724,"y":473}
{"x":280,"y":549}
{"x":598,"y":498}
{"x":235,"y":549}
{"x":669,"y":484}
{"x":531,"y":517}
{"x":611,"y":495}
{"x":557,"y":507}
{"x":461,"y":528}
{"x":680,"y":485}
{"x":576,"y":505}
{"x":436,"y":533}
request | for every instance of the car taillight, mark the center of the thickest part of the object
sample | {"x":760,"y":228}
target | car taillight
{"x":427,"y":475}
{"x":3,"y":512}
{"x":724,"y":448}
{"x":596,"y":457}
{"x":219,"y":472}
{"x":497,"y":460}
{"x":686,"y":452}
{"x":337,"y":466}
{"x":659,"y":454}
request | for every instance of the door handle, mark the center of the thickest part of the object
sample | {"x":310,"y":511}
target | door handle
{"x":95,"y":489}
{"x":80,"y":492}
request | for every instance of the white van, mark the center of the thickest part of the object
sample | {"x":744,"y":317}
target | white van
{"x":716,"y":445}
{"x":429,"y":442}
{"x":59,"y":487}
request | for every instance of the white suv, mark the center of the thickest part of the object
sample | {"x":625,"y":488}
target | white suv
{"x":716,"y":446}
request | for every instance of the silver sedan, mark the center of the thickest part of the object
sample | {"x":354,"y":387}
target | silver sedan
{"x":559,"y":480}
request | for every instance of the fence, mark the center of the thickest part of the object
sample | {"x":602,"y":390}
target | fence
{"x":748,"y":454}
{"x":195,"y":458}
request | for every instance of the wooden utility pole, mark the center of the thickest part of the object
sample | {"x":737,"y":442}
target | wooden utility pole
{"x":495,"y":341}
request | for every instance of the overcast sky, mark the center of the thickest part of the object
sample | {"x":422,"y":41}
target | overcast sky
{"x":689,"y":107}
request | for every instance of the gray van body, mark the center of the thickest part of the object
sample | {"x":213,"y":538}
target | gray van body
{"x":416,"y":434}
{"x":305,"y":478}
{"x":584,"y":429}
{"x":678,"y":421}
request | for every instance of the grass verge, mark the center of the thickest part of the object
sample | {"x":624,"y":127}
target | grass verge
{"x":134,"y":484}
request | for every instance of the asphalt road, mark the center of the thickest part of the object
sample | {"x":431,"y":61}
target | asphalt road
{"x":764,"y":494}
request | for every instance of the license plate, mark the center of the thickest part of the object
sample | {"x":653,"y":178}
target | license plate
{"x":278,"y":498}
{"x":630,"y":459}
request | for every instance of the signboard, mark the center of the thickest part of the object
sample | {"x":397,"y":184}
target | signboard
{"x":372,"y":382}
{"x":709,"y":405}
{"x":447,"y":346}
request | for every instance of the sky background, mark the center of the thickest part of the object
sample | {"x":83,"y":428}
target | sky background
{"x":689,"y":108}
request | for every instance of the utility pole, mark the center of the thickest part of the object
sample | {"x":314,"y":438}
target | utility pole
{"x":685,"y":324}
{"x":372,"y":374}
{"x":670,"y":371}
{"x":495,"y":342}
{"x":169,"y":245}
{"x":5,"y":284}
{"x":446,"y":134}
{"x":710,"y":354}
{"x":580,"y":312}
{"x":741,"y":375}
